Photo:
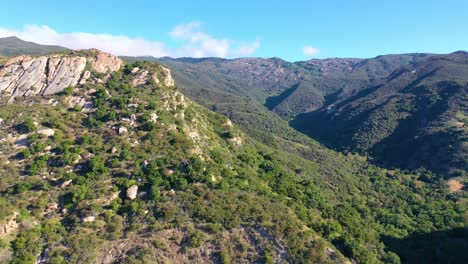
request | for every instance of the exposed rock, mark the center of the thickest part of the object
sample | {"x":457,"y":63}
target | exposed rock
{"x":40,"y":76}
{"x":195,"y":151}
{"x":27,"y":76}
{"x":48,"y":132}
{"x":168,"y":172}
{"x":455,"y":185}
{"x":85,"y":77}
{"x":52,"y":207}
{"x":133,"y":120}
{"x":140,"y":79}
{"x":229,"y":123}
{"x":194,"y":135}
{"x":459,"y":124}
{"x":153,"y":117}
{"x":132,"y":192}
{"x":8,"y":227}
{"x":237,"y":141}
{"x":113,"y":150}
{"x":105,"y":62}
{"x":330,"y":252}
{"x":89,"y":219}
{"x":75,"y":100}
{"x":135,"y":70}
{"x":66,"y":183}
{"x":168,"y":81}
{"x":123,"y":130}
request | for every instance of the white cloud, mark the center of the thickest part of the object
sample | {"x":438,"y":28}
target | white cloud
{"x":245,"y":49}
{"x":193,"y":42}
{"x":200,"y":44}
{"x":310,"y":51}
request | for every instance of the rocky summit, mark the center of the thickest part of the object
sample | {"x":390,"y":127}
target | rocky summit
{"x":44,"y":75}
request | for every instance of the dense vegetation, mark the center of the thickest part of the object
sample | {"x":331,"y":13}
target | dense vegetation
{"x":415,"y":118}
{"x":403,"y":111}
{"x":206,"y":191}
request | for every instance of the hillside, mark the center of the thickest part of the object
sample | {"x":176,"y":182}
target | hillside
{"x":130,"y":171}
{"x":122,"y":168}
{"x":13,"y":46}
{"x":413,"y":118}
{"x":340,"y":95}
{"x":287,"y":88}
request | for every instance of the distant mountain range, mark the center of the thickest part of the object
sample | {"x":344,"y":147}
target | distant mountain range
{"x":407,"y":111}
{"x":13,"y":46}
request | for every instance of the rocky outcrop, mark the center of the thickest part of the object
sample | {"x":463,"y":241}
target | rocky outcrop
{"x":105,"y":62}
{"x":26,"y":76}
{"x":47,"y":132}
{"x":141,"y":77}
{"x":123,"y":130}
{"x":132,"y":192}
{"x":168,"y":80}
{"x":89,"y":219}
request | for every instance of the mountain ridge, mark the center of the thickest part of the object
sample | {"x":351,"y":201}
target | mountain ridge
{"x":14,"y":46}
{"x":317,"y":86}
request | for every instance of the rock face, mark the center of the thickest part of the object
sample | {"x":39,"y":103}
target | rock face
{"x":25,"y":75}
{"x":168,"y":80}
{"x":105,"y":62}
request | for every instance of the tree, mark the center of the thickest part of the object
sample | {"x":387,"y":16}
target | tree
{"x":27,"y":126}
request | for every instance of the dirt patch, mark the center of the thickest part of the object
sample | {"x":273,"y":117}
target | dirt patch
{"x":455,"y":185}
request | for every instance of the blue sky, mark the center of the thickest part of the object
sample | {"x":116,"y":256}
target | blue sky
{"x":292,"y":30}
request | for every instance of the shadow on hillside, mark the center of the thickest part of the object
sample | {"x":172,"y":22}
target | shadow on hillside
{"x":414,"y":144}
{"x":274,"y":101}
{"x":448,"y":247}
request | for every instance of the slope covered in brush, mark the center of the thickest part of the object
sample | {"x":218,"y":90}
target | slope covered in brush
{"x":413,"y":118}
{"x":124,"y":169}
